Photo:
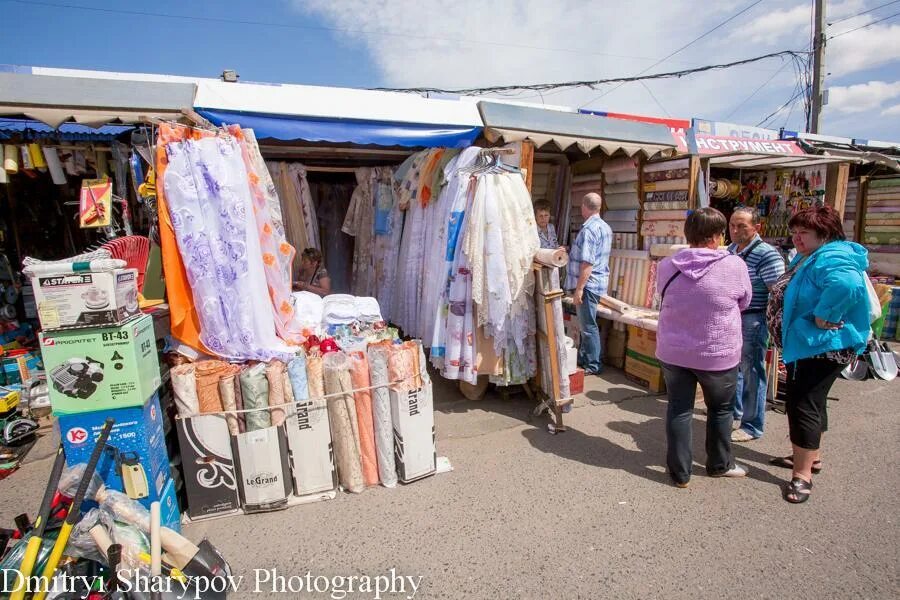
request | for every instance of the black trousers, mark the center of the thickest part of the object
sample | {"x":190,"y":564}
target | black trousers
{"x":719,"y":392}
{"x":808,"y":382}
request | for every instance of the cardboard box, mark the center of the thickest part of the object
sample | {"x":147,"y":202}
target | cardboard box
{"x":86,"y":299}
{"x":135,"y":460}
{"x":614,"y":348}
{"x":101,"y":369}
{"x":576,"y":382}
{"x":310,"y":447}
{"x":412,"y":413}
{"x":645,"y":371}
{"x":642,"y":341}
{"x":263,"y":469}
{"x":170,"y":515}
{"x":210,"y":481}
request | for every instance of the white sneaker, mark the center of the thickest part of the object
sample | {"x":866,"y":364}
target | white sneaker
{"x":736,"y":471}
{"x":739,"y":435}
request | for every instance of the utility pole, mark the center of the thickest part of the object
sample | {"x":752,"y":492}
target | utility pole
{"x":818,"y":82}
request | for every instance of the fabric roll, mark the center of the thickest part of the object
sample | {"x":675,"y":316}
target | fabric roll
{"x":621,"y":188}
{"x":297,"y":375}
{"x":680,"y":196}
{"x":10,"y":158}
{"x":208,"y":373}
{"x":226,"y":392}
{"x":665,"y":205}
{"x":359,"y":378}
{"x":403,"y":367}
{"x":620,"y":215}
{"x":619,"y":164}
{"x":623,"y":226}
{"x":315,"y":375}
{"x":289,"y":398}
{"x":343,"y":421}
{"x":275,"y":378}
{"x":381,"y":412}
{"x":309,"y":308}
{"x":668,"y":165}
{"x":255,"y":393}
{"x":552,"y":258}
{"x":662,"y":228}
{"x":670,"y":185}
{"x":664,"y":215}
{"x":57,"y":174}
{"x":621,"y":176}
{"x":184,"y":384}
{"x":624,"y":201}
{"x":239,"y":400}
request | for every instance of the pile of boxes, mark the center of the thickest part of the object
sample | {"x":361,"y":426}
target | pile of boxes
{"x":641,"y":365}
{"x":100,"y":355}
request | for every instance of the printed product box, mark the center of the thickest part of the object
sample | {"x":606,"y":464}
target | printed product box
{"x":135,"y":460}
{"x":263,"y":469}
{"x":642,"y":341}
{"x":101,"y":369}
{"x":412,"y":413}
{"x":169,"y":514}
{"x":208,"y":461}
{"x":86,"y":299}
{"x":645,"y":371}
{"x":614,"y":348}
{"x":311,"y":450}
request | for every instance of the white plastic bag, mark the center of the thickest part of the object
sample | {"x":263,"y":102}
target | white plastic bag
{"x":874,"y":303}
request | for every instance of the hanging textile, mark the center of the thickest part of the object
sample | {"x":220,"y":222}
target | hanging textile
{"x":381,"y":412}
{"x":277,"y":253}
{"x":332,"y":201}
{"x":211,"y":210}
{"x":359,"y":222}
{"x":343,"y":420}
{"x":388,"y":228}
{"x":266,"y":182}
{"x":298,"y":214}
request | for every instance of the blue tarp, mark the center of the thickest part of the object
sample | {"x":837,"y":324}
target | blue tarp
{"x":28,"y":130}
{"x":288,"y":128}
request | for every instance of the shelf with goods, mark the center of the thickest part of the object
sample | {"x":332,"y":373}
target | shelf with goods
{"x":851,"y":205}
{"x":879,"y":224}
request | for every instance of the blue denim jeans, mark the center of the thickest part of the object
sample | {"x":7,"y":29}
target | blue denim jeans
{"x":750,"y":400}
{"x":590,"y":348}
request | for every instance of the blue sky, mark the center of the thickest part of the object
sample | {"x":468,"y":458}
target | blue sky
{"x":400,"y":43}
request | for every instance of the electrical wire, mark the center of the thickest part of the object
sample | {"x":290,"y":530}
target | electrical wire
{"x":756,"y":91}
{"x":780,"y":108}
{"x":542,"y":87}
{"x":667,"y":57}
{"x":863,"y":12}
{"x":887,"y":18}
{"x":655,"y":99}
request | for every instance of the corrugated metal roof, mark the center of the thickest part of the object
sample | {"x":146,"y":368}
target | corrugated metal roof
{"x":29,"y":130}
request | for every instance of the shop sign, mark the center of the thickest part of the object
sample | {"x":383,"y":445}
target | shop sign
{"x":711,"y":145}
{"x":677,"y":127}
{"x":733,"y":130}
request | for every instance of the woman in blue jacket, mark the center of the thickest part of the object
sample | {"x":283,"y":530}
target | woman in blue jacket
{"x":818,"y":316}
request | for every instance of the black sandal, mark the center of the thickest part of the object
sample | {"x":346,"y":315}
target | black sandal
{"x":787,"y":462}
{"x":797,"y":491}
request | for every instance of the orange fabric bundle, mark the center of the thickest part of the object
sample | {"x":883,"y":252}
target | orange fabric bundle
{"x":403,"y":367}
{"x":208,"y":373}
{"x":275,"y":375}
{"x":359,"y":378}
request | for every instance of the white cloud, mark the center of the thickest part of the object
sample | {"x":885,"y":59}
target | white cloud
{"x":861,"y":97}
{"x":864,"y":49}
{"x":473,"y":43}
{"x":891,"y":111}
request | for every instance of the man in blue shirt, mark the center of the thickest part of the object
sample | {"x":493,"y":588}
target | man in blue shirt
{"x":765,"y":265}
{"x":588,"y":276}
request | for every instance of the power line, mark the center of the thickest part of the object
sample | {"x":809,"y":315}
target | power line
{"x":590,"y":83}
{"x":863,"y":12}
{"x":780,"y":108}
{"x":756,"y":91}
{"x":665,"y":58}
{"x":655,"y":99}
{"x":897,"y":14}
{"x":214,"y":19}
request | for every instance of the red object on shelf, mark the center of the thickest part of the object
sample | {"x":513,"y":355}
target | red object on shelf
{"x":576,"y":382}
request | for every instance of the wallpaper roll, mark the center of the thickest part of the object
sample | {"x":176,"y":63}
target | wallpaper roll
{"x":275,"y":378}
{"x":621,"y":188}
{"x":665,"y":205}
{"x":884,"y":183}
{"x":630,"y":254}
{"x":620,"y":215}
{"x":667,"y":186}
{"x":878,"y":212}
{"x":226,"y":392}
{"x":870,"y":228}
{"x":892,"y":203}
{"x":681,"y":196}
{"x":664,"y":215}
{"x":662,"y":228}
{"x":342,"y":418}
{"x":664,"y":175}
{"x":580,"y":189}
{"x":10,"y":158}
{"x":668,"y":165}
{"x":57,"y":174}
{"x":623,"y":226}
{"x":208,"y":373}
{"x":37,"y":157}
{"x":651,"y":284}
{"x":381,"y":412}
{"x":878,"y":221}
{"x":184,"y":384}
{"x":255,"y":393}
{"x":359,"y":378}
{"x":552,"y":258}
{"x":625,"y":201}
{"x":619,"y":164}
{"x":881,"y":238}
{"x":621,"y":177}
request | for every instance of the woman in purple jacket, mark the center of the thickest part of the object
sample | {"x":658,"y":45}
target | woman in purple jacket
{"x":703,"y":290}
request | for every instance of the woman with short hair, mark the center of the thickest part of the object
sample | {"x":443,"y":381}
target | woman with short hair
{"x":818,"y":316}
{"x":313,"y":276}
{"x":703,"y":290}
